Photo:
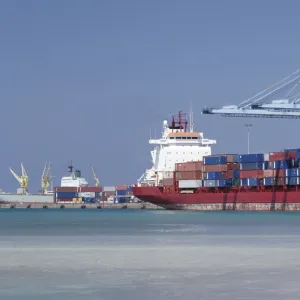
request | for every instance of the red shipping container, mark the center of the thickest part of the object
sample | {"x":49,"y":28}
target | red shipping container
{"x":65,"y":189}
{"x":273,"y":156}
{"x":268,"y":173}
{"x":189,"y":166}
{"x":251,"y":174}
{"x":227,"y":175}
{"x":121,"y":187}
{"x":215,"y":168}
{"x":233,"y":166}
{"x":92,"y":189}
{"x":188,"y":175}
{"x":279,"y":173}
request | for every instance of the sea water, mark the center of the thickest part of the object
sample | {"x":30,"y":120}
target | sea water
{"x":139,"y":254}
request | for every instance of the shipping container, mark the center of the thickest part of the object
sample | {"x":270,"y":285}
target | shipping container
{"x":186,"y":175}
{"x":268,"y":173}
{"x":215,"y":168}
{"x":123,"y":200}
{"x":283,"y":164}
{"x":292,"y":172}
{"x":121,"y":192}
{"x":292,"y":181}
{"x":271,"y":181}
{"x":233,"y":166}
{"x":252,"y":166}
{"x":250,"y":182}
{"x":214,"y":175}
{"x":66,"y":195}
{"x":244,"y":174}
{"x":109,"y":189}
{"x":210,"y":183}
{"x":65,"y":189}
{"x":278,"y":173}
{"x":121,"y":187}
{"x":92,"y":189}
{"x":233,"y":174}
{"x":225,"y":183}
{"x":251,"y":158}
{"x":266,"y":156}
{"x":214,"y":160}
{"x":236,"y":182}
{"x":87,"y":194}
{"x":286,"y":155}
{"x":189,"y":166}
{"x":229,"y":158}
{"x":189,"y":184}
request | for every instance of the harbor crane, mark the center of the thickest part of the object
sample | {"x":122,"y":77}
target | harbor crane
{"x":23,"y":179}
{"x":285,"y":105}
{"x":46,"y":178}
{"x":95,"y":177}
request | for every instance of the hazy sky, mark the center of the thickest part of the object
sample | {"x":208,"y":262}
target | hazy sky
{"x":86,"y":80}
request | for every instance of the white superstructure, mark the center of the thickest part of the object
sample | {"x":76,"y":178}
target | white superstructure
{"x":176,"y":145}
{"x":74,"y":179}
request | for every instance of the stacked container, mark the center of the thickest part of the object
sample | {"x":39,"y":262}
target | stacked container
{"x":122,"y":193}
{"x":252,"y":167}
{"x":77,"y":194}
{"x":221,"y":170}
{"x":189,"y":174}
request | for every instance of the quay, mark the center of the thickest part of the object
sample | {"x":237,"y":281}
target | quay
{"x":101,"y":205}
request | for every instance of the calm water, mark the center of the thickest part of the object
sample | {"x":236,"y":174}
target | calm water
{"x":100,"y":254}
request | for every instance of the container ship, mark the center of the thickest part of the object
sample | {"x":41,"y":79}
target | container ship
{"x":186,"y":176}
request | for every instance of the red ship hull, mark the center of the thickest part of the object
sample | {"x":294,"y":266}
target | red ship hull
{"x":230,"y":199}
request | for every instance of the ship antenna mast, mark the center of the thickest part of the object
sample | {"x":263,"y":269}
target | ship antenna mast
{"x":191,"y":119}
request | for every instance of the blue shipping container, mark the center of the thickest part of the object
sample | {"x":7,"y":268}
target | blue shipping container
{"x":252,"y":166}
{"x":225,"y":183}
{"x":292,"y":180}
{"x":283,"y":164}
{"x":236,"y":174}
{"x":250,"y":182}
{"x":123,"y":200}
{"x":292,"y":172}
{"x":251,"y":158}
{"x":66,"y":195}
{"x":121,"y":192}
{"x":214,"y":160}
{"x":214,"y":175}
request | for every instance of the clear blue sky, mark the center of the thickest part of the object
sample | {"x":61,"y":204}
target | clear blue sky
{"x":86,"y":80}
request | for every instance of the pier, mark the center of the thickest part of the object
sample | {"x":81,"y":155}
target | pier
{"x":79,"y":206}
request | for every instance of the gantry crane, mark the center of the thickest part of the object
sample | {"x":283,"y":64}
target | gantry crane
{"x":261,"y":105}
{"x":23,"y":179}
{"x":46,"y":178}
{"x":95,"y":177}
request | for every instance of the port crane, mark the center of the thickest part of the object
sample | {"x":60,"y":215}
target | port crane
{"x":23,"y":179}
{"x":46,"y":178}
{"x":263,"y":105}
{"x":95,"y":177}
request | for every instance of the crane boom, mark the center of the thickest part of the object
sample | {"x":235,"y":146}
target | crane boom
{"x":23,"y":179}
{"x":46,"y":178}
{"x":261,"y":105}
{"x":95,"y":176}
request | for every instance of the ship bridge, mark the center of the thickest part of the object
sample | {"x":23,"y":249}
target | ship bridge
{"x":177,"y":144}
